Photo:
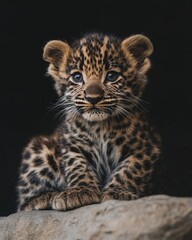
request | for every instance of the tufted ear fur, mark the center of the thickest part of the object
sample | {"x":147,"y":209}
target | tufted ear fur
{"x":56,"y":52}
{"x":139,"y":47}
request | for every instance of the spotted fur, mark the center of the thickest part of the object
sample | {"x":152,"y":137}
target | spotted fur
{"x":105,"y":148}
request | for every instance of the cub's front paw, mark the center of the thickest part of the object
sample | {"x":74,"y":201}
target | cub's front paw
{"x":118,"y":194}
{"x":74,"y":198}
{"x":42,"y":202}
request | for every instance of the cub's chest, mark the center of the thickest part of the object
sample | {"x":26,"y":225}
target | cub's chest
{"x":101,"y":149}
{"x":105,"y":156}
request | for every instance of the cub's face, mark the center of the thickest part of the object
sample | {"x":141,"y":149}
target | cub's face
{"x":99,"y":76}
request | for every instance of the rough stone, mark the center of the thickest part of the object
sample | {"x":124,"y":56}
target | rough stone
{"x":157,"y":217}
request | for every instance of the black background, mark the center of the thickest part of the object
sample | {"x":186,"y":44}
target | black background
{"x":26,"y":93}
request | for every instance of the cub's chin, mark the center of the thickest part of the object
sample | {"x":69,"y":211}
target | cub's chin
{"x":95,"y":116}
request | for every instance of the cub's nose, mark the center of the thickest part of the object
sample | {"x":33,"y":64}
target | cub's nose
{"x":94,"y":94}
{"x":94,"y":100}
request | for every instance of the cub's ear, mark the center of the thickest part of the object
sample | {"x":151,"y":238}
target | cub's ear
{"x":56,"y":52}
{"x":140,"y":47}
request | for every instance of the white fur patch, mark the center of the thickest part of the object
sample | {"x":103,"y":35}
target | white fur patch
{"x":92,"y":116}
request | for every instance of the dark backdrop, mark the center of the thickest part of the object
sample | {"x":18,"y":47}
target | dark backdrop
{"x":26,"y":93}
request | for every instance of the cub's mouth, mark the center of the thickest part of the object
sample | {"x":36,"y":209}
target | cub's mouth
{"x":94,"y":109}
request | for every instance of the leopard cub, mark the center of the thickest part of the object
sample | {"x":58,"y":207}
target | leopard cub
{"x":105,"y":148}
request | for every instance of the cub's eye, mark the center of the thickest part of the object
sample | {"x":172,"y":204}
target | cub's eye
{"x":77,"y":77}
{"x":112,"y":76}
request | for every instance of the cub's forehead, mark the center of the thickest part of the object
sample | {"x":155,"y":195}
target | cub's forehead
{"x":95,"y":53}
{"x":97,"y":42}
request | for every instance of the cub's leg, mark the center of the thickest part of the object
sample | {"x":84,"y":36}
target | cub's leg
{"x":40,"y":174}
{"x":130,"y":180}
{"x":50,"y":179}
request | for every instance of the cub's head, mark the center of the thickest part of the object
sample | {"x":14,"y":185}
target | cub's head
{"x":99,"y":76}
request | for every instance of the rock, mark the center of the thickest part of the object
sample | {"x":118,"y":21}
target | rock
{"x":157,"y":217}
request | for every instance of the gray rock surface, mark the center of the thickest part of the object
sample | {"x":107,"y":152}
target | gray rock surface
{"x":157,"y":217}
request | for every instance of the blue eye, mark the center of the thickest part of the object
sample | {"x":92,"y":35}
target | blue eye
{"x":77,"y":77}
{"x":112,"y":76}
